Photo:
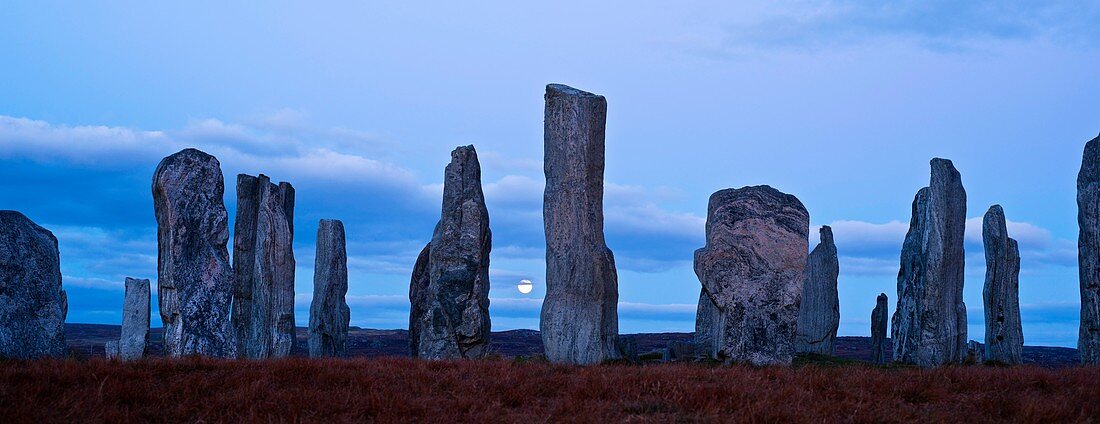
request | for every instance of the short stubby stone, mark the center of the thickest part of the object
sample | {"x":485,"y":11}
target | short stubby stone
{"x":328,"y":312}
{"x":819,"y":313}
{"x":194,"y":277}
{"x":134,"y":342}
{"x":450,"y":305}
{"x":263,"y":265}
{"x":579,"y":319}
{"x":753,"y":268}
{"x":1088,"y":252}
{"x":929,"y":324}
{"x":1004,"y":335}
{"x":32,"y":304}
{"x":879,"y":316}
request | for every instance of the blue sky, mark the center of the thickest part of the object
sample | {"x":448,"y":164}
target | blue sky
{"x":359,"y":103}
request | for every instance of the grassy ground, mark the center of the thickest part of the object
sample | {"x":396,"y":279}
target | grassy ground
{"x":398,"y":389}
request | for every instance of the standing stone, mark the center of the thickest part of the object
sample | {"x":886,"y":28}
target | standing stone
{"x":418,"y":291}
{"x":1088,"y":252}
{"x":579,"y":320}
{"x":195,"y":281}
{"x":753,"y":268}
{"x":929,"y":325}
{"x":263,"y":262}
{"x":819,"y":313}
{"x":32,"y":304}
{"x":111,"y":350}
{"x":135,"y":320}
{"x":451,"y":313}
{"x":1004,"y":336}
{"x":708,"y":326}
{"x":329,"y":313}
{"x":879,"y":354}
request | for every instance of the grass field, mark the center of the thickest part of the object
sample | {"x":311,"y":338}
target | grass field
{"x":399,"y":389}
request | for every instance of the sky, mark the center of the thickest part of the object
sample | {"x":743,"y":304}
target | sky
{"x":357,"y":104}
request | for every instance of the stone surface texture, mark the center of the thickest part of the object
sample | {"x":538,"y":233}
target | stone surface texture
{"x":579,"y":320}
{"x":1004,"y":334}
{"x":134,"y":342}
{"x":451,"y":320}
{"x":708,"y":326}
{"x":929,"y":324}
{"x":1088,"y":251}
{"x":32,"y":304}
{"x":263,"y":264}
{"x":752,"y":268}
{"x":328,"y":312}
{"x":195,"y":280}
{"x":879,"y":316}
{"x":819,"y":313}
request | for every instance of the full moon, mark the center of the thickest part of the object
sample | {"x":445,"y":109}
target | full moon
{"x":525,"y":286}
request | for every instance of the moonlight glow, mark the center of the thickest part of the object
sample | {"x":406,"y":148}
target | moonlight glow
{"x":525,"y":286}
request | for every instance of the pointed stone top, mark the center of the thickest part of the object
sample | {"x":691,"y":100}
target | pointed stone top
{"x":826,"y":233}
{"x":565,"y":90}
{"x":882,"y":297}
{"x":993,"y":223}
{"x":1090,"y":164}
{"x":940,"y":165}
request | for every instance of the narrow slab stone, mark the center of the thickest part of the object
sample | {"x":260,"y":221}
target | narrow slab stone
{"x":135,"y":320}
{"x":819,"y":313}
{"x":753,"y":268}
{"x":1004,"y":335}
{"x":579,"y":320}
{"x":708,"y":326}
{"x":195,"y":280}
{"x":263,"y":262}
{"x":452,"y":319}
{"x":1088,"y":251}
{"x":879,"y":353}
{"x":328,"y":312}
{"x":929,"y":324}
{"x":418,"y":292}
{"x":32,"y":304}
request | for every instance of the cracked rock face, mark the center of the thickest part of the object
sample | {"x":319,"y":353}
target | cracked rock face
{"x":753,"y":268}
{"x":32,"y":304}
{"x":879,"y":353}
{"x":329,"y":313}
{"x":819,"y":313}
{"x":579,"y":319}
{"x":1004,"y":335}
{"x":929,"y":324}
{"x":135,"y":320}
{"x":195,"y":280}
{"x":1088,"y":251}
{"x":263,"y":264}
{"x":449,"y":291}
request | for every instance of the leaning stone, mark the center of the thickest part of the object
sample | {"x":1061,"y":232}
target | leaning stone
{"x":135,"y":320}
{"x":819,"y":313}
{"x":579,"y":319}
{"x":263,"y":264}
{"x":879,"y":353}
{"x":195,"y":280}
{"x":328,"y":312}
{"x":758,"y":298}
{"x":1088,"y":252}
{"x":32,"y":304}
{"x":929,"y":324}
{"x":451,"y":320}
{"x":1004,"y":335}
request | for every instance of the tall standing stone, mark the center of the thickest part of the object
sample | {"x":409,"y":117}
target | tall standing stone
{"x":32,"y":304}
{"x":881,"y":313}
{"x":708,"y":326}
{"x":195,"y":280}
{"x":753,"y":268}
{"x":328,"y":312}
{"x":135,"y":320}
{"x":579,"y":320}
{"x":263,"y":262}
{"x":929,"y":325}
{"x":451,"y":313}
{"x":1088,"y":251}
{"x":1004,"y":335}
{"x":819,"y":313}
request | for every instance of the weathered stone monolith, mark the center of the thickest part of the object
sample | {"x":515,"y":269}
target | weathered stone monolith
{"x":879,"y":353}
{"x":110,"y":349}
{"x":1088,"y":252}
{"x":135,"y":320}
{"x":329,"y":313}
{"x":450,"y":314}
{"x":1004,"y":335}
{"x":708,"y":326}
{"x":579,"y":320}
{"x":819,"y":313}
{"x":929,"y":324}
{"x":32,"y":304}
{"x":195,"y":280}
{"x":753,"y":267}
{"x":263,"y":262}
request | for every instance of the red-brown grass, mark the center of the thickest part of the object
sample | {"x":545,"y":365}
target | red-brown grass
{"x":403,"y":390}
